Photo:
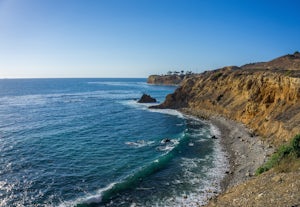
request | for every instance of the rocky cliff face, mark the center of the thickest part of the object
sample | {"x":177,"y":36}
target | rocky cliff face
{"x":267,"y":100}
{"x":165,"y":79}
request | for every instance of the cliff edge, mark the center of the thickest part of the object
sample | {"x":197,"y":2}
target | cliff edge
{"x":265,"y":97}
{"x":266,"y":100}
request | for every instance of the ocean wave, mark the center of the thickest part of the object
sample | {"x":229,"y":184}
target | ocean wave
{"x":134,"y":104}
{"x":171,"y":112}
{"x":104,"y":195}
{"x":89,"y":198}
{"x":215,"y":130}
{"x":145,"y":106}
{"x":167,"y":144}
{"x":206,"y":179}
{"x":43,"y":99}
{"x":140,"y":143}
{"x":115,"y":83}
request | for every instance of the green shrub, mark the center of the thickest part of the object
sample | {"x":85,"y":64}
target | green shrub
{"x":293,"y":149}
{"x":296,"y":145}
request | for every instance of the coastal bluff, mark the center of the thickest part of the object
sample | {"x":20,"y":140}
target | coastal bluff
{"x":264,"y":97}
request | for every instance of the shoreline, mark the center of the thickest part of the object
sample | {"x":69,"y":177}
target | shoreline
{"x":245,"y":150}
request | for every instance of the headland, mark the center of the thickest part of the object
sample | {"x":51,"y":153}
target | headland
{"x":257,"y":109}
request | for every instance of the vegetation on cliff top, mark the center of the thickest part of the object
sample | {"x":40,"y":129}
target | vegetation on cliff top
{"x":286,"y":154}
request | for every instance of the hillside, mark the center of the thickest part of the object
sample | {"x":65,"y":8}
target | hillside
{"x":265,"y":97}
{"x":266,"y":100}
{"x":286,"y":62}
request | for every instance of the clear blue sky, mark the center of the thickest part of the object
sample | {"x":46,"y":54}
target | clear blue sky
{"x":136,"y":38}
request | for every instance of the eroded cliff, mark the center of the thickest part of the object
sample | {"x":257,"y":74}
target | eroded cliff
{"x":266,"y":98}
{"x":266,"y":101}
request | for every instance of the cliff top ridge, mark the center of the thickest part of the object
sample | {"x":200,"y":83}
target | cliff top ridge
{"x":286,"y":62}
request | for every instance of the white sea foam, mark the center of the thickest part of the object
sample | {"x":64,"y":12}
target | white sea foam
{"x":145,"y":106}
{"x":208,"y":179}
{"x":167,"y":145}
{"x":140,"y":143}
{"x":169,"y":112}
{"x":113,"y":83}
{"x":44,"y":99}
{"x":165,"y":148}
{"x":191,"y":144}
{"x":90,"y":198}
{"x":135,"y":104}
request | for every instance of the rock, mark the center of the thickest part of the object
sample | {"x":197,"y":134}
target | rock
{"x":214,"y":137}
{"x":277,"y":178}
{"x":166,"y":140}
{"x":146,"y":99}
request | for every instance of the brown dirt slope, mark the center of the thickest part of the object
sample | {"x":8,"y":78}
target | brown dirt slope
{"x":287,"y":62}
{"x":270,"y":189}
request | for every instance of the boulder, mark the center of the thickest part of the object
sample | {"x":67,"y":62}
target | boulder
{"x":146,"y":99}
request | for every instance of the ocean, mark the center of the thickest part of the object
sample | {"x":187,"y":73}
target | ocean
{"x":87,"y":142}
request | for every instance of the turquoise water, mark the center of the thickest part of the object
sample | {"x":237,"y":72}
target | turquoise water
{"x":86,"y":142}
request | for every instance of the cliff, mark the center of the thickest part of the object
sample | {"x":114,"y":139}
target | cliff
{"x":266,"y":100}
{"x":165,"y":79}
{"x":265,"y":97}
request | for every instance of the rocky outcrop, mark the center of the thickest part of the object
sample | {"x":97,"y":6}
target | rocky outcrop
{"x":266,"y":100}
{"x":165,"y":79}
{"x":146,"y":99}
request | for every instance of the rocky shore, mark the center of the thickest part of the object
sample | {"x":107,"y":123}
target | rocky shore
{"x":246,"y":151}
{"x":257,"y":109}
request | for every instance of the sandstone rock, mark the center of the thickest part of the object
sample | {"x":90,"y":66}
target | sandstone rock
{"x":249,"y":96}
{"x":265,"y":97}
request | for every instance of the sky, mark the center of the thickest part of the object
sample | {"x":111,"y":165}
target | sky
{"x":137,"y":38}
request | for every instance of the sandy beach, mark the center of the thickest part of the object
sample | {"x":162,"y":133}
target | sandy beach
{"x":246,"y":152}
